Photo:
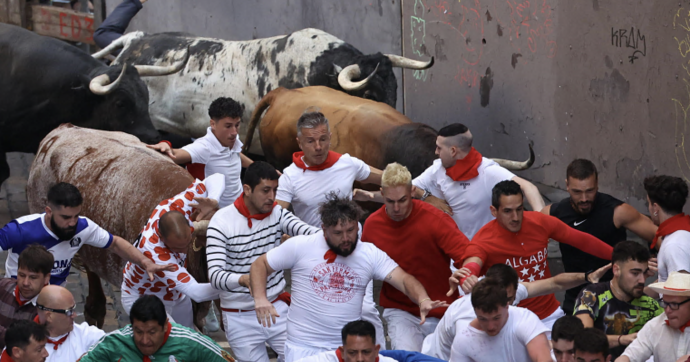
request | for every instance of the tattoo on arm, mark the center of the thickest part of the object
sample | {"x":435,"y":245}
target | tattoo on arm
{"x":389,"y":277}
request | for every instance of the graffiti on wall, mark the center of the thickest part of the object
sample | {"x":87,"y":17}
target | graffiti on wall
{"x":681,"y":29}
{"x":633,"y":39}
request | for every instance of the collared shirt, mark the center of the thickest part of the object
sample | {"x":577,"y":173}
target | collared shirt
{"x":10,"y":311}
{"x":78,"y":341}
{"x":663,"y":342}
{"x":219,"y":159}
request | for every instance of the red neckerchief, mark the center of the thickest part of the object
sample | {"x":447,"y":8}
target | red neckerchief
{"x":58,"y":342}
{"x":165,"y":339}
{"x":330,"y":256}
{"x":340,"y":356}
{"x":242,"y":208}
{"x":332,"y":158}
{"x":682,"y":328}
{"x":18,"y":297}
{"x":37,"y":320}
{"x":467,"y":168}
{"x":670,"y":226}
{"x":5,"y":357}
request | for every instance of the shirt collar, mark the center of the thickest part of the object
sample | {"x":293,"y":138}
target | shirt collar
{"x":32,"y":300}
{"x":237,"y":147}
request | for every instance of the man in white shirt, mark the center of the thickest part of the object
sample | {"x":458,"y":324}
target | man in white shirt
{"x":330,"y":271}
{"x":63,"y":232}
{"x":67,"y":341}
{"x":500,"y":332}
{"x":464,"y":178}
{"x":318,"y":171}
{"x":220,"y":149}
{"x":666,"y":337}
{"x":461,"y":313}
{"x":237,"y":236}
{"x":359,"y":345}
{"x":165,"y":239}
{"x":666,"y":197}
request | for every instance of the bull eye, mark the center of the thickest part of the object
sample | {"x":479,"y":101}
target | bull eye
{"x":119,"y":104}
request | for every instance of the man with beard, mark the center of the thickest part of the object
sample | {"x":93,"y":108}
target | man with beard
{"x":330,"y":271}
{"x":62,"y":231}
{"x":237,"y":236}
{"x":597,"y":214}
{"x":619,"y":307}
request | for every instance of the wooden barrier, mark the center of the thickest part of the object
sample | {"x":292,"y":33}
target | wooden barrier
{"x":63,"y":23}
{"x":12,"y":12}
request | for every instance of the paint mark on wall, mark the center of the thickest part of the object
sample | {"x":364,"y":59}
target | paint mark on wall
{"x":514,"y":59}
{"x":485,"y":85}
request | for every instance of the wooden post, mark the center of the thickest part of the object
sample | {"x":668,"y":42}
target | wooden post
{"x":98,"y":14}
{"x":63,"y":23}
{"x":12,"y":12}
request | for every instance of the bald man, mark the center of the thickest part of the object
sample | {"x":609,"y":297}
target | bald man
{"x":166,"y":241}
{"x":67,"y":341}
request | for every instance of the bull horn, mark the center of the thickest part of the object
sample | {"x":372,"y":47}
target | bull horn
{"x":200,"y":227}
{"x":402,"y":62}
{"x":157,"y":70}
{"x":101,"y":85}
{"x":350,"y":72}
{"x":517,"y":165}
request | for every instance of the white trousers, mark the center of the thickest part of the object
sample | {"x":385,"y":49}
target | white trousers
{"x":404,"y":329}
{"x":248,"y":338}
{"x":179,"y":311}
{"x":295,"y":352}
{"x":371,"y":315}
{"x":550,"y":320}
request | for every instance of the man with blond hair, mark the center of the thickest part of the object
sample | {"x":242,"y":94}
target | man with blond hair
{"x":431,"y":240}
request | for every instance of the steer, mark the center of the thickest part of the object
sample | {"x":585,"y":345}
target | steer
{"x":371,"y":131}
{"x":247,"y":70}
{"x":45,"y":82}
{"x":122,"y":181}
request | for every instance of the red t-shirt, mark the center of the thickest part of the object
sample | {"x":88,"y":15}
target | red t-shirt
{"x":422,"y":245}
{"x":526,"y":251}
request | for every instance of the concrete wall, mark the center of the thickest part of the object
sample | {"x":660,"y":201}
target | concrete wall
{"x":603,"y":80}
{"x":370,"y":25}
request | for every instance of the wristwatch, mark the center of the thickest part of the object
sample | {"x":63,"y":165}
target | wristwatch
{"x":587,"y":275}
{"x":426,"y":194}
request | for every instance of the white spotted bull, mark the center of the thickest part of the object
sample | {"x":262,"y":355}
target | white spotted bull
{"x":121,"y":181}
{"x":248,"y":70}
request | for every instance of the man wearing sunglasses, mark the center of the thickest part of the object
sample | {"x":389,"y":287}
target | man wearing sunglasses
{"x":666,"y":337}
{"x":67,"y":340}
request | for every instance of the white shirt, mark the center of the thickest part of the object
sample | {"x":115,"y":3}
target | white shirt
{"x":79,"y":340}
{"x":232,"y":246}
{"x":32,"y":229}
{"x":330,"y":356}
{"x":674,"y":254}
{"x":660,"y":340}
{"x":458,"y":316}
{"x":326,"y":296}
{"x":219,"y":159}
{"x":469,"y":200}
{"x":306,"y":189}
{"x":509,"y":345}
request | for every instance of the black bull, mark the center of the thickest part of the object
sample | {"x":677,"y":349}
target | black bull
{"x":122,"y":182}
{"x":45,"y":82}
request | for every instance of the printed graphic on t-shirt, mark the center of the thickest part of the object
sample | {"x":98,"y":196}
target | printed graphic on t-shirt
{"x":334,"y":282}
{"x":530,"y":268}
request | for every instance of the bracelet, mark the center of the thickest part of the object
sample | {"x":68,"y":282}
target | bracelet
{"x":619,"y":339}
{"x":423,"y":300}
{"x":167,"y":142}
{"x":587,"y":276}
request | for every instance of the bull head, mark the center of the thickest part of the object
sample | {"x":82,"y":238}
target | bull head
{"x":347,"y":74}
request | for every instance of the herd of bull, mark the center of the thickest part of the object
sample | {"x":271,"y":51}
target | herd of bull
{"x":165,"y":82}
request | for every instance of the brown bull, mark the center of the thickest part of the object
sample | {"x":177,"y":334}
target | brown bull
{"x":121,"y":181}
{"x":372,"y":131}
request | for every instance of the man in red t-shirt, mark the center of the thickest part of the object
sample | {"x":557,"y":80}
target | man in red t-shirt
{"x":422,"y":240}
{"x":520,"y":238}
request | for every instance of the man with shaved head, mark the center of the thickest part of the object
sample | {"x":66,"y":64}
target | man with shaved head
{"x":167,"y":236}
{"x":67,"y":340}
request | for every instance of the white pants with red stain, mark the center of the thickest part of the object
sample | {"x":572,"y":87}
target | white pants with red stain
{"x":404,"y":329}
{"x":248,"y":338}
{"x":179,"y":311}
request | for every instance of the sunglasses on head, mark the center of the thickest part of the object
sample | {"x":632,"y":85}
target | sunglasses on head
{"x":68,"y":312}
